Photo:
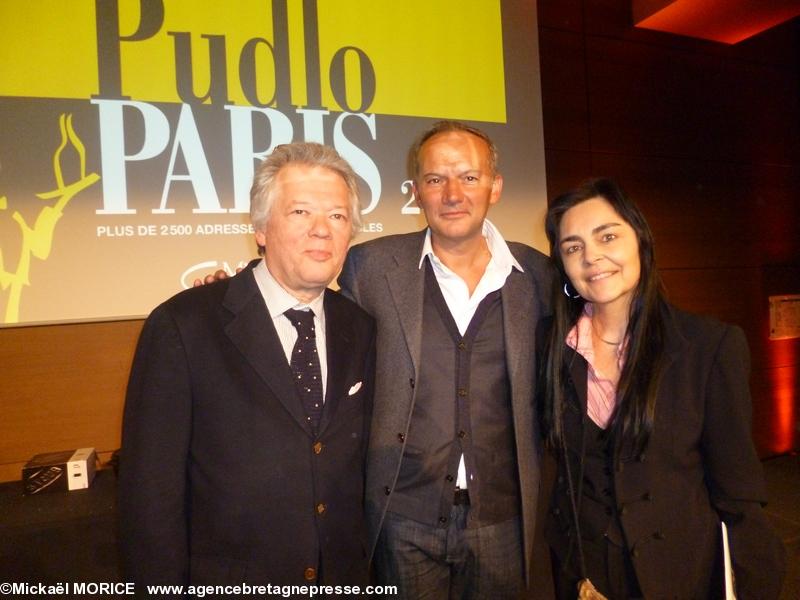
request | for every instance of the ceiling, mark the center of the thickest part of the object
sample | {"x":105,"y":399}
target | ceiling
{"x":727,"y":21}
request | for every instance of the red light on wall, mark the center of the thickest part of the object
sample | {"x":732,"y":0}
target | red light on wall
{"x":784,"y":382}
{"x":726,"y":21}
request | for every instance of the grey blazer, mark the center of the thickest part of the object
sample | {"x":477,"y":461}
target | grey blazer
{"x":384,"y":277}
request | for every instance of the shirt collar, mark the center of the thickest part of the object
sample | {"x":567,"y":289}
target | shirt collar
{"x":498,"y":248}
{"x":278,"y":300}
{"x":579,"y":337}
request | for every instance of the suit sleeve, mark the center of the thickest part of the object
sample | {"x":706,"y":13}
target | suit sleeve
{"x":155,"y":441}
{"x":734,"y":474}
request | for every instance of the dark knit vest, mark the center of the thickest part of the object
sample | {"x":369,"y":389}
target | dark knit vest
{"x":463,"y":405}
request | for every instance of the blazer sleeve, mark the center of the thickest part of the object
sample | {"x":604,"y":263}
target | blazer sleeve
{"x":155,"y":441}
{"x":734,"y":474}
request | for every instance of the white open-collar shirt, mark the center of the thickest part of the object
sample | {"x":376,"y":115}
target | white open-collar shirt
{"x":456,"y":292}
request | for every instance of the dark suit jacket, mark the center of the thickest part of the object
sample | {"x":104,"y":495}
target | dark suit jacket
{"x":700,"y":465}
{"x":383,"y":277}
{"x":221,"y":479}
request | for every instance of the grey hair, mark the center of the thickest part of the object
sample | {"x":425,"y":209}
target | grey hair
{"x":309,"y":154}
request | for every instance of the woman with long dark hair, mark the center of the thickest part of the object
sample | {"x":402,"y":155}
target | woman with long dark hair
{"x":647,"y":411}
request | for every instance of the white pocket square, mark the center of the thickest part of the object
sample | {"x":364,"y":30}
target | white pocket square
{"x":354,"y":389}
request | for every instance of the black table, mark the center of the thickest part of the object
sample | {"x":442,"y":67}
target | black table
{"x":59,"y":537}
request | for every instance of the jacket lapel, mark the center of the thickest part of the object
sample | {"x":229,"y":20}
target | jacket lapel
{"x":338,"y":333}
{"x":520,"y":316}
{"x":578,"y":372}
{"x":674,"y":343}
{"x":252,"y":332}
{"x":407,"y":287}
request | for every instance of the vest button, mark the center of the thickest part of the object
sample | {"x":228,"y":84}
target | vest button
{"x":462,"y":434}
{"x":317,"y":447}
{"x":449,"y":478}
{"x":442,"y":520}
{"x":462,"y":392}
{"x":462,"y":346}
{"x":320,"y":508}
{"x":401,"y":437}
{"x":310,"y":574}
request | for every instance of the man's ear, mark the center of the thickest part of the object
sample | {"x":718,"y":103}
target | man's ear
{"x":497,"y":189}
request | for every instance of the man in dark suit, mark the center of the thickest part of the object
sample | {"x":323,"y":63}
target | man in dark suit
{"x":453,"y":463}
{"x":245,"y":425}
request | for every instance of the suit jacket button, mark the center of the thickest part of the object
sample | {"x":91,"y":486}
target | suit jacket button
{"x":401,"y":437}
{"x":387,"y":490}
{"x":658,"y":535}
{"x":449,"y":478}
{"x":310,"y":574}
{"x":634,"y":552}
{"x":320,"y":508}
{"x":622,"y":510}
{"x":442,"y":520}
{"x":317,"y":447}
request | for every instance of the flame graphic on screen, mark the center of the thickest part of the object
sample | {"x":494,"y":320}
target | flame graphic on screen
{"x":37,"y":240}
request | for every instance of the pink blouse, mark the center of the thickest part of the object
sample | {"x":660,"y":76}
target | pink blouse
{"x":601,"y":392}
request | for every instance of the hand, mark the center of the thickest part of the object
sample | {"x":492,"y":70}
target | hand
{"x":217,"y":276}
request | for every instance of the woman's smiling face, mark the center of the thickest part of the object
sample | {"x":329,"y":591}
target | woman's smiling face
{"x":600,"y":252}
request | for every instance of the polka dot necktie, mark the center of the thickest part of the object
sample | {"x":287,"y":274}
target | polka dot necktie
{"x":305,"y":365}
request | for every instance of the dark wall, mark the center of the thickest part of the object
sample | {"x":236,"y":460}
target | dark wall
{"x":706,"y":138}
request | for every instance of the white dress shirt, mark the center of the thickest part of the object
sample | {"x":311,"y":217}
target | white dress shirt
{"x":278,"y":301}
{"x":456,"y":292}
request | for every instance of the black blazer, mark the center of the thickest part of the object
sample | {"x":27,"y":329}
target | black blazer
{"x":700,"y":465}
{"x":221,"y":479}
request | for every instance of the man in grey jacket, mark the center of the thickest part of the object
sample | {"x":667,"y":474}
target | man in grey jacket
{"x":453,"y":462}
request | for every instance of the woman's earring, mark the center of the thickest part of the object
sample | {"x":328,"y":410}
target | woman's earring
{"x":567,"y":288}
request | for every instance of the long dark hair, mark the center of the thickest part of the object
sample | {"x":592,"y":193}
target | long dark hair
{"x":633,"y":415}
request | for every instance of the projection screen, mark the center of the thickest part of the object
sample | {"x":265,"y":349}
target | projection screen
{"x":130,"y":129}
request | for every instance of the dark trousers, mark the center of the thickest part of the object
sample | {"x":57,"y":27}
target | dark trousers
{"x":452,"y":562}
